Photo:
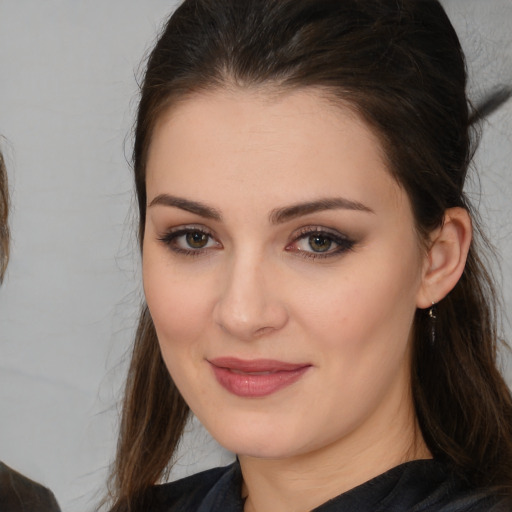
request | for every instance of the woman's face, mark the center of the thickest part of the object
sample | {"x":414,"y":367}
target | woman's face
{"x":281,"y":268}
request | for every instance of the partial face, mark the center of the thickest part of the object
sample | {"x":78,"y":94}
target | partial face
{"x":281,"y":268}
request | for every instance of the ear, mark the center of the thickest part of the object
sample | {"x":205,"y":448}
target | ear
{"x":446,"y":258}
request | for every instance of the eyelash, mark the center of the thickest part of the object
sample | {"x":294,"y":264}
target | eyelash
{"x":344,"y":243}
{"x":170,"y":239}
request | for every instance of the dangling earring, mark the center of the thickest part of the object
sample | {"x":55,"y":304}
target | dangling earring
{"x":432,"y":313}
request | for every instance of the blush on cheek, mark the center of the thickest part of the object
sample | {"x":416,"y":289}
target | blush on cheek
{"x":179,"y":307}
{"x":362,"y":318}
{"x":176,"y":320}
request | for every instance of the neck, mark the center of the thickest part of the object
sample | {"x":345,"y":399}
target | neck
{"x":304,"y":482}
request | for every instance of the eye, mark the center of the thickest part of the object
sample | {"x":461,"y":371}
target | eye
{"x":189,"y":240}
{"x":197,"y":239}
{"x":320,"y":243}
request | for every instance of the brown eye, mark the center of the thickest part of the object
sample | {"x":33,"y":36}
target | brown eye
{"x":197,"y":240}
{"x":190,"y":241}
{"x":319,"y":243}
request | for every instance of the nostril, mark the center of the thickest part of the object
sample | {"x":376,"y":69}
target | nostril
{"x":263,"y":330}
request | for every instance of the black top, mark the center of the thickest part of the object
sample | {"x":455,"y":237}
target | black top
{"x":20,"y":494}
{"x":417,"y":486}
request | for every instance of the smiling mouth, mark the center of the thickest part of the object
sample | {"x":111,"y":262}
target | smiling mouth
{"x":250,"y":373}
{"x":256,"y":378}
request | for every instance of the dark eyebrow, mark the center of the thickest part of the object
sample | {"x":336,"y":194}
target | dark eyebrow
{"x":187,"y":205}
{"x":290,"y":212}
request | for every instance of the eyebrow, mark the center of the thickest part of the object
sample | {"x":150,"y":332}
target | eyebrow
{"x":185,"y":204}
{"x":287,"y":213}
{"x":277,"y":216}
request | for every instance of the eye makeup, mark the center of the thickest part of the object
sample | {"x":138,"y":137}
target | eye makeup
{"x":319,"y":242}
{"x":191,"y":240}
{"x":308,"y":242}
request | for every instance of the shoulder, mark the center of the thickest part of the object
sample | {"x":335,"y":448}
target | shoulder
{"x":416,"y":486}
{"x":451,"y":493}
{"x":20,"y":494}
{"x":192,"y":492}
{"x":469,"y":501}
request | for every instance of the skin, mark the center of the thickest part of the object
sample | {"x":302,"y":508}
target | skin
{"x":260,"y":289}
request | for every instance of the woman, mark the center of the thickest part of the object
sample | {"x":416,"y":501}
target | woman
{"x":314,"y":291}
{"x":4,"y":214}
{"x":17,"y":492}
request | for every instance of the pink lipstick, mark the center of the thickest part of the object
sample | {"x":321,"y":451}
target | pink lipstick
{"x":257,"y":377}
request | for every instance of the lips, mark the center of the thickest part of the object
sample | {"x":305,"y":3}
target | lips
{"x":256,"y":378}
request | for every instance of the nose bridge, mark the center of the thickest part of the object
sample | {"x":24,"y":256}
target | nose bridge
{"x":249,"y":305}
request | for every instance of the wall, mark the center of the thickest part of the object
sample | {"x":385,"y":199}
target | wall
{"x":69,"y":304}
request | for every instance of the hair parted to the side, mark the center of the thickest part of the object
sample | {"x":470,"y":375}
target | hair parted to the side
{"x":4,"y":217}
{"x":399,"y":64}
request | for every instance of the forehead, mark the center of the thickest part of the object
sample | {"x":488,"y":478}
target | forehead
{"x":298,"y":143}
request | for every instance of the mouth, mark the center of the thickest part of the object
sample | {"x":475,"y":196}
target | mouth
{"x":256,"y":378}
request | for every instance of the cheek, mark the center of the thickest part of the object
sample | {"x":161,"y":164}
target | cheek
{"x":178,"y":304}
{"x":368,"y":309}
{"x":179,"y":307}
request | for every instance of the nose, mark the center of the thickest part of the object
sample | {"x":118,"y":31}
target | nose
{"x":249,"y":304}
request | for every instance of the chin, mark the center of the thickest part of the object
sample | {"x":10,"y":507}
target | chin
{"x":260,"y":443}
{"x":259,"y":450}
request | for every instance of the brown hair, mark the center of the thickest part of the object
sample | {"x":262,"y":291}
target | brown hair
{"x":4,"y":214}
{"x":399,"y":64}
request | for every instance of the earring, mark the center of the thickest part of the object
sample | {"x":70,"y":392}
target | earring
{"x":432,"y":313}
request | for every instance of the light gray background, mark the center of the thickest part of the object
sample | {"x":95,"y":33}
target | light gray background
{"x":68,"y":307}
